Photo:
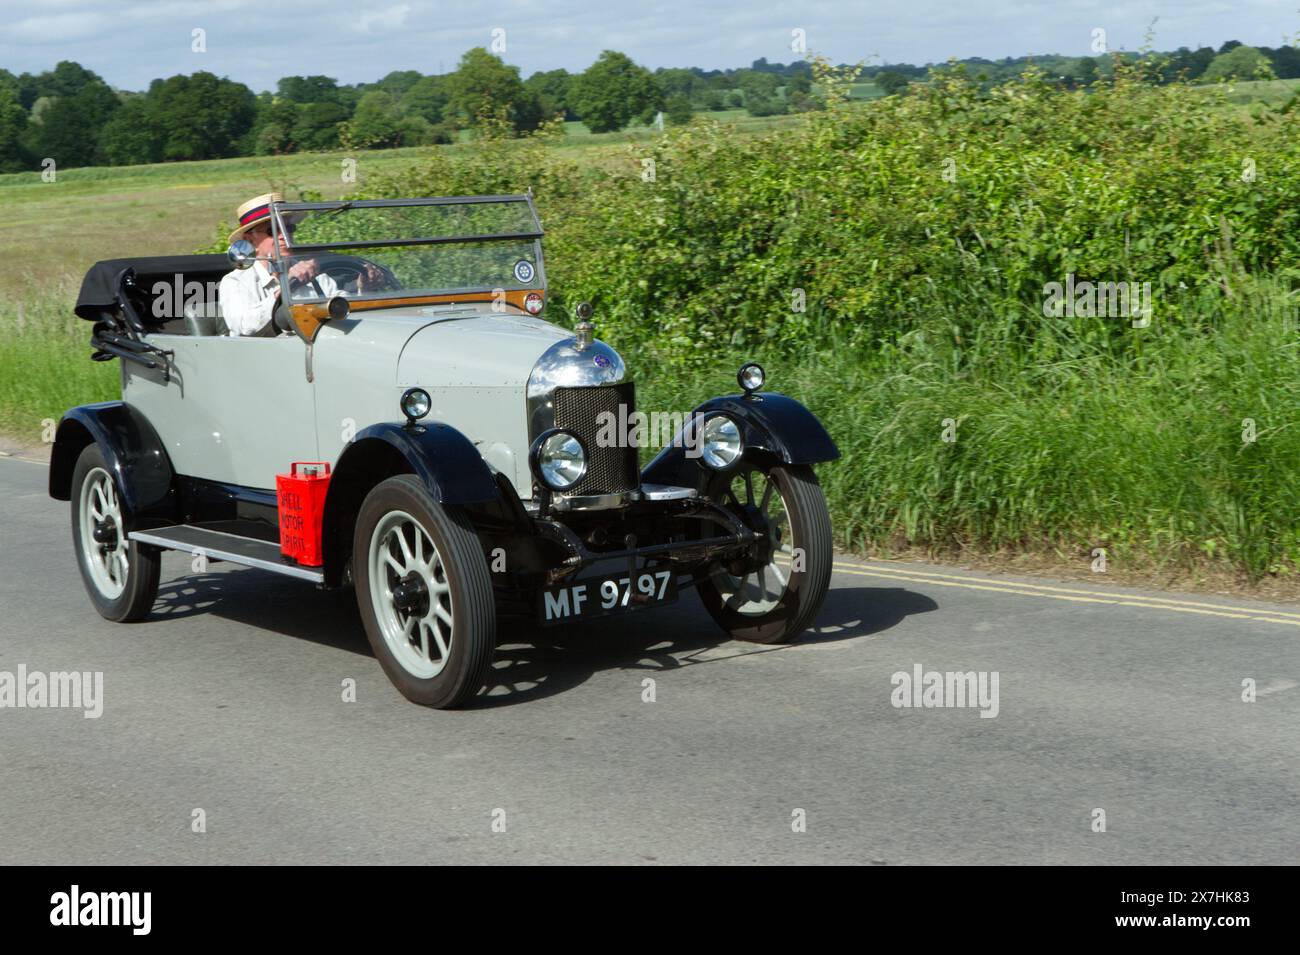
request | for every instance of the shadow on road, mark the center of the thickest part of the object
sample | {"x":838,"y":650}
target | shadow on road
{"x":269,"y":602}
{"x":863,"y":611}
{"x":533,"y":662}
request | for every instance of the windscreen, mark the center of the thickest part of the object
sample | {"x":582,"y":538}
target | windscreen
{"x":411,"y":250}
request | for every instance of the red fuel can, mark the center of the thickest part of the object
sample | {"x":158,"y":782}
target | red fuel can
{"x":300,"y":498}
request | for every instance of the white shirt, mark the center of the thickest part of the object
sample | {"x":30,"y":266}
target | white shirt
{"x":249,"y":297}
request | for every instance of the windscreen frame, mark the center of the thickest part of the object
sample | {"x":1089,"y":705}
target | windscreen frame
{"x":280,"y":263}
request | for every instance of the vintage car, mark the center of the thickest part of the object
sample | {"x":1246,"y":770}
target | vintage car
{"x":431,"y":441}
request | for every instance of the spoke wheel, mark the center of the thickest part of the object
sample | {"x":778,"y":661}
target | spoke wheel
{"x":754,"y":593}
{"x":425,"y":593}
{"x":121,"y":576}
{"x":776,"y":595}
{"x":103,"y":540}
{"x":411,"y":595}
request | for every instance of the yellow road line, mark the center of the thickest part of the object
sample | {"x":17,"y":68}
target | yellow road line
{"x":1262,"y":616}
{"x":1066,"y":590}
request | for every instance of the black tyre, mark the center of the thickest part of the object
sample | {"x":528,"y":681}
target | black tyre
{"x":777,"y":597}
{"x":425,"y":593}
{"x":121,"y":575}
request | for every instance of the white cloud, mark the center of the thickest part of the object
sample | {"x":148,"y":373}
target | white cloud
{"x":60,"y":28}
{"x":384,"y":21}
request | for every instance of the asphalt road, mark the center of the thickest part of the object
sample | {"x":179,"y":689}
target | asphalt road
{"x":229,"y":700}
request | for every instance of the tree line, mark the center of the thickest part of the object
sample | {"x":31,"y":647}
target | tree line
{"x":71,"y":115}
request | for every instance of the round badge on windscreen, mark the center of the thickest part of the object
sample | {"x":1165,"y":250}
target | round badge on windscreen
{"x":524,"y":271}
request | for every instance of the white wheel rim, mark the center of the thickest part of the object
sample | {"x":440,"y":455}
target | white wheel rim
{"x":109,"y":566}
{"x":760,"y":591}
{"x":401,"y":549}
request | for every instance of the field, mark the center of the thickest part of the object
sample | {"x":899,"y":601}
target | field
{"x":866,"y":91}
{"x":53,"y":231}
{"x":1269,"y":92}
{"x":888,"y":261}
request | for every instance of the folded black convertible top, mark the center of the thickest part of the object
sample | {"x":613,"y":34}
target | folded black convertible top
{"x":100,"y":287}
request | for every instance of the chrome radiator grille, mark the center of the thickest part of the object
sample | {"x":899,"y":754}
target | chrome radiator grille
{"x":613,"y":469}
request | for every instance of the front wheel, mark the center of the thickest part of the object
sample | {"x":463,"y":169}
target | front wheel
{"x":425,"y":593}
{"x":121,"y":575}
{"x":773,"y":597}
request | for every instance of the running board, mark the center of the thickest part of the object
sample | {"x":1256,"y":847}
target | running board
{"x":218,"y":545}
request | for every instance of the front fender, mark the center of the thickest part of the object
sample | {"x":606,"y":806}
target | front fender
{"x":134,"y":454}
{"x":443,"y":458}
{"x":771,"y":423}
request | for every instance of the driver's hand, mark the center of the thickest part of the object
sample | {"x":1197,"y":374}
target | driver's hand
{"x":304,"y":271}
{"x":370,"y":278}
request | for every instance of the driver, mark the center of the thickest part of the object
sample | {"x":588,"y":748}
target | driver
{"x":249,"y":296}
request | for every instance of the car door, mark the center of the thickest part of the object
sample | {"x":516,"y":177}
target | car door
{"x":234,"y":410}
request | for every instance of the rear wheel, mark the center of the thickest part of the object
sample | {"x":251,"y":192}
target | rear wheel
{"x":775,"y":596}
{"x":121,"y":575}
{"x":425,"y":593}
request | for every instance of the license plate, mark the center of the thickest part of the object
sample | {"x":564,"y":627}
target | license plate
{"x":613,"y":593}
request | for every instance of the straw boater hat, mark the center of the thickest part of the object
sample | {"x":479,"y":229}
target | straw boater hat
{"x":253,"y":213}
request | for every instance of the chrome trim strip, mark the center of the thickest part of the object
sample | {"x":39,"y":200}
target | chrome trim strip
{"x":591,"y":502}
{"x":666,"y":492}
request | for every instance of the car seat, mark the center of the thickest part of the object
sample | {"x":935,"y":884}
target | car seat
{"x":204,"y":318}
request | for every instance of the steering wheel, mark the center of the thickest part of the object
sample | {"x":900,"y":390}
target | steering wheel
{"x":346,"y":271}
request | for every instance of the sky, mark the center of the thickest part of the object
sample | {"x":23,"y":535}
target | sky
{"x":131,"y":42}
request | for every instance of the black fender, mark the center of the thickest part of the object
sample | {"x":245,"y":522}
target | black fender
{"x":133,"y":451}
{"x":444,"y":460}
{"x":770,"y":423}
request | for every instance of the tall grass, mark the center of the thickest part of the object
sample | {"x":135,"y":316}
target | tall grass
{"x":45,"y":365}
{"x":1061,"y":450}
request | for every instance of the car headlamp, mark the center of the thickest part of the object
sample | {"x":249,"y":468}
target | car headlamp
{"x":720,"y":442}
{"x":415,"y":404}
{"x":751,"y":377}
{"x":558,"y":459}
